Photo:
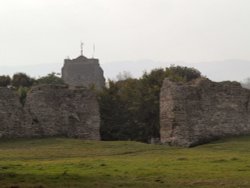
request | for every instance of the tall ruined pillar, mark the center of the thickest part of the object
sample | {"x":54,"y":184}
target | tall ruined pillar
{"x":201,"y":111}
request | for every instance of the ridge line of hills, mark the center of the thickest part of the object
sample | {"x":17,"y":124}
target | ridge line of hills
{"x":234,"y":69}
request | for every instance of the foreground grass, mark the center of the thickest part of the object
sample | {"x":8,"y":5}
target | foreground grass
{"x":58,"y":162}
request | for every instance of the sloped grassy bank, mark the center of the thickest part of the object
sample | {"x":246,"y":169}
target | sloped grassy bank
{"x":58,"y":162}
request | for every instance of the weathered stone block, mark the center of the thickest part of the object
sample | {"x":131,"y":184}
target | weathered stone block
{"x":50,"y":111}
{"x":201,"y":111}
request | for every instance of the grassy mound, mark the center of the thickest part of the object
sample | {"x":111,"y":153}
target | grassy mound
{"x":58,"y":162}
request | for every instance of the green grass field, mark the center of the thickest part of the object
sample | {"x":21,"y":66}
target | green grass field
{"x":57,"y":162}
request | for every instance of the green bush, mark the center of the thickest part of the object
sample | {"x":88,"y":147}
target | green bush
{"x":22,"y":92}
{"x":51,"y":78}
{"x":4,"y":81}
{"x":22,"y":80}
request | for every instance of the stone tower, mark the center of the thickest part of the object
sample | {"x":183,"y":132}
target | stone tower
{"x":83,"y":72}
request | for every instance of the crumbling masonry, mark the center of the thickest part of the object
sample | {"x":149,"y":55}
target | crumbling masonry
{"x":50,"y":110}
{"x":201,"y":111}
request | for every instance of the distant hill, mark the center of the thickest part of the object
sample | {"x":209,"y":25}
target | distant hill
{"x":32,"y":70}
{"x":215,"y":70}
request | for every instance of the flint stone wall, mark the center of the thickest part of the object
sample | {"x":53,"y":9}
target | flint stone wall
{"x":13,"y":117}
{"x":50,"y":111}
{"x":202,"y":111}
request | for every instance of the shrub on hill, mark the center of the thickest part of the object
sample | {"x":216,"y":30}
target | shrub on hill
{"x":51,"y":78}
{"x":4,"y":81}
{"x":22,"y":80}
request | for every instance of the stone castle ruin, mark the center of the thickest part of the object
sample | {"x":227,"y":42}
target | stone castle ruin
{"x":50,"y":110}
{"x":202,"y":111}
{"x":83,"y":72}
{"x":191,"y":113}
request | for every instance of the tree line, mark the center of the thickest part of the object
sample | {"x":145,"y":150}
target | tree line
{"x":22,"y":82}
{"x":129,"y":107}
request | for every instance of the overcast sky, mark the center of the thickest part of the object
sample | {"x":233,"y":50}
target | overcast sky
{"x":36,"y":32}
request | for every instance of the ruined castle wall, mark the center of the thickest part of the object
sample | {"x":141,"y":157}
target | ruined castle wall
{"x":201,"y":111}
{"x":13,"y":116}
{"x":50,"y":111}
{"x":59,"y":111}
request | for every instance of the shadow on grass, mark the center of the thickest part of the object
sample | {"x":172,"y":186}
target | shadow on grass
{"x":13,"y":180}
